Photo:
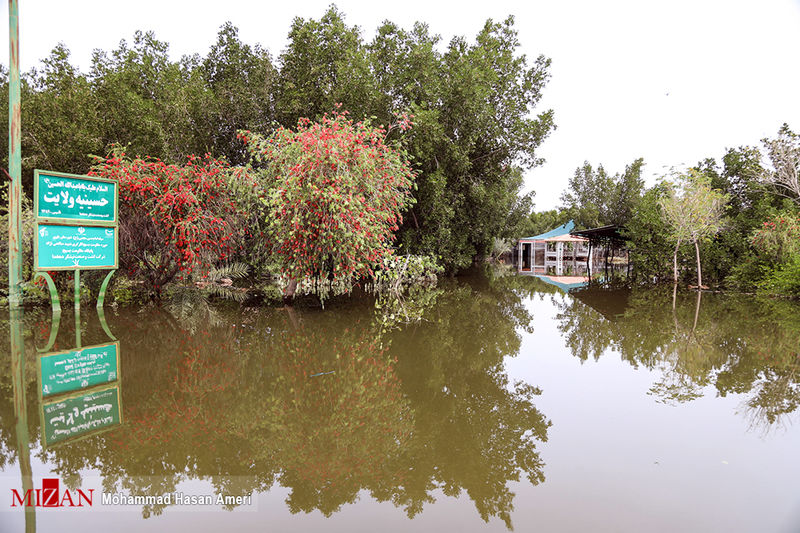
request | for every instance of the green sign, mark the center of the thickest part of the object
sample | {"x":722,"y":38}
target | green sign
{"x":78,"y":369}
{"x":67,"y":198}
{"x":78,"y":416}
{"x":75,"y":247}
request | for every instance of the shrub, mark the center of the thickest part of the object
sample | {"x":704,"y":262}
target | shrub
{"x":334,"y":193}
{"x":784,"y":279}
{"x":175,"y":220}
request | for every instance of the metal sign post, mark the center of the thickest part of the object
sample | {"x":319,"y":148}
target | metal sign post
{"x":14,"y":162}
{"x":76,"y":229}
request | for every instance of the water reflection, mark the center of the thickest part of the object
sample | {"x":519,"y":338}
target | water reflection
{"x":401,"y":403}
{"x":18,"y":379}
{"x":328,"y":404}
{"x":735,"y":344}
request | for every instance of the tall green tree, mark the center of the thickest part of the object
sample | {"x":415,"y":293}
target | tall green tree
{"x":647,"y":235}
{"x":474,"y":141}
{"x":142,"y":96}
{"x":60,"y":116}
{"x":325,"y":63}
{"x":241,"y":81}
{"x":475,"y":131}
{"x":595,"y":198}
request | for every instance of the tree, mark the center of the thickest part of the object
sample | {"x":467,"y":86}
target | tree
{"x":241,"y":82}
{"x":694,"y":212}
{"x":479,"y":140}
{"x":475,"y":127}
{"x":325,"y":63}
{"x":784,"y":155}
{"x":60,"y":105}
{"x":542,"y":221}
{"x":647,"y":235}
{"x":595,"y":198}
{"x":334,"y":193}
{"x":173,"y":219}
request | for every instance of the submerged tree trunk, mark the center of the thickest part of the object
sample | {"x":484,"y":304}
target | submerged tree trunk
{"x":674,"y":301}
{"x":697,"y":310}
{"x":699,"y":272}
{"x":288,"y":292}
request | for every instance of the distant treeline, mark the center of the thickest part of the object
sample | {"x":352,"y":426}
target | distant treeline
{"x":473,"y":104}
{"x":751,"y":242}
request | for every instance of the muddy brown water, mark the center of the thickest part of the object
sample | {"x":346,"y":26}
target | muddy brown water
{"x":504,"y":403}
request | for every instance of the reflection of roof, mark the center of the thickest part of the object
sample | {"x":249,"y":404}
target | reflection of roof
{"x":609,"y":302}
{"x":565,"y":283}
{"x":548,"y":235}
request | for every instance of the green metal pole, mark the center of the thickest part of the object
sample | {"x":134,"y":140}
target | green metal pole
{"x":14,"y":162}
{"x":78,"y":307}
{"x":77,"y":288}
{"x":21,"y":410}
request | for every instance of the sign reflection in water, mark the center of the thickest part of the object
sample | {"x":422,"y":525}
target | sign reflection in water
{"x":345,"y":402}
{"x":72,"y":370}
{"x":74,"y":393}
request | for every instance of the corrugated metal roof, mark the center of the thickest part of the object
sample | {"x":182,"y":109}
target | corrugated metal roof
{"x":565,"y":283}
{"x":561,"y":230}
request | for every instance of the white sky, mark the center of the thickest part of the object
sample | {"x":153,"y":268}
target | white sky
{"x":673,"y":81}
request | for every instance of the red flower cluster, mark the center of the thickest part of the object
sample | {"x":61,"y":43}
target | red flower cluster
{"x":336,"y":192}
{"x":189,"y":207}
{"x":779,"y":237}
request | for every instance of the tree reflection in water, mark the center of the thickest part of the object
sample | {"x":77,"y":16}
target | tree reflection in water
{"x":326,"y":403}
{"x":736,"y":344}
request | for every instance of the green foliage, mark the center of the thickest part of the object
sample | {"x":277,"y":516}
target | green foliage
{"x":647,"y":236}
{"x":783,"y":279}
{"x":334,"y":193}
{"x":474,"y":129}
{"x":729,"y":257}
{"x":475,"y":106}
{"x":238,"y":94}
{"x":595,"y":198}
{"x":540,"y":222}
{"x":325,"y":63}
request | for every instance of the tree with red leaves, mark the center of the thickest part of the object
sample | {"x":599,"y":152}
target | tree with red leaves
{"x":174,"y":220}
{"x":335,"y":192}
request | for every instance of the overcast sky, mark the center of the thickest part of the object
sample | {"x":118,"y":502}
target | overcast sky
{"x":672,"y":82}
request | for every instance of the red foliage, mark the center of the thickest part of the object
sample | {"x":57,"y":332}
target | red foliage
{"x":335,"y":192}
{"x":173,"y":219}
{"x":779,"y":237}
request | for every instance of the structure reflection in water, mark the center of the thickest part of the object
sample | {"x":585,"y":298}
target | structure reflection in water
{"x":352,"y":400}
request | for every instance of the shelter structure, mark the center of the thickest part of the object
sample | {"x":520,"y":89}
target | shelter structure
{"x":606,"y":238}
{"x":555,"y":251}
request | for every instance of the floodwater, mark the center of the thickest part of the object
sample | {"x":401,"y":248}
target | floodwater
{"x":506,"y":403}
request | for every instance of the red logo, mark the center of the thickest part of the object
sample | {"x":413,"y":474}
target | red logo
{"x":50,"y":495}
